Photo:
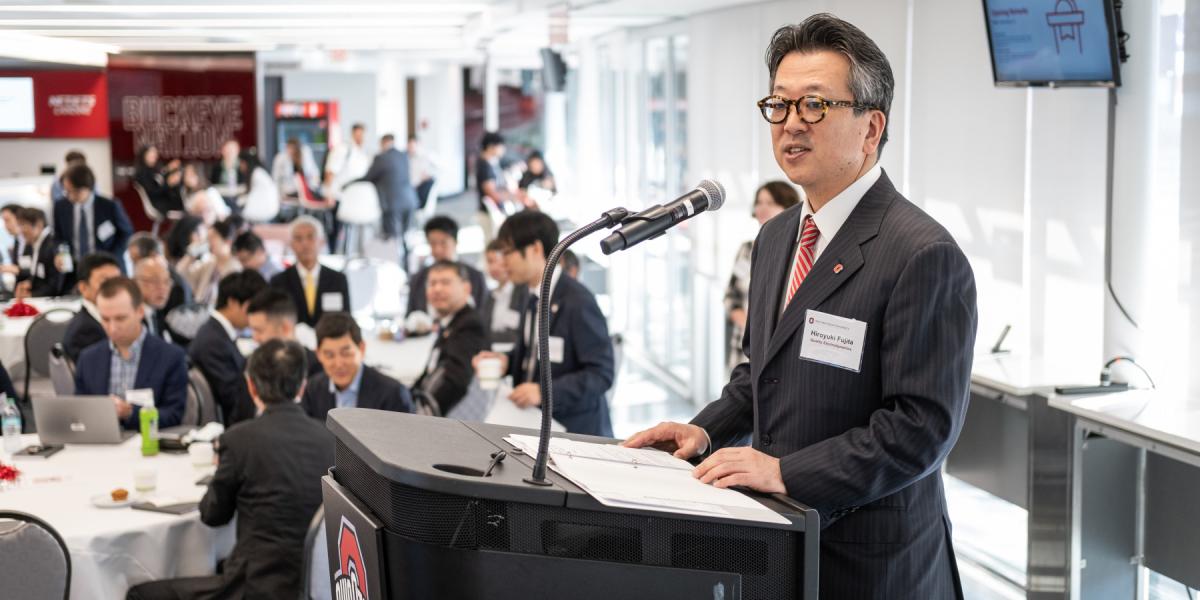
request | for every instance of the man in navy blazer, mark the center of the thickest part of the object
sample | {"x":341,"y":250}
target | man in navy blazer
{"x":860,"y":333}
{"x":87,"y":222}
{"x":314,"y":289}
{"x":214,"y":349}
{"x":581,"y":354}
{"x":132,"y":359}
{"x":345,"y":381}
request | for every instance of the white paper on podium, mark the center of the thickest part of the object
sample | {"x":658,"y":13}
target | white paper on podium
{"x":644,"y":478}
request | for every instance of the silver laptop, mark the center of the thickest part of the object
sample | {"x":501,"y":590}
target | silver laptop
{"x":77,"y":420}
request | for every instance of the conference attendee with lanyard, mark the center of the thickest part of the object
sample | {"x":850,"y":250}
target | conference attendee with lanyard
{"x":860,"y":332}
{"x":581,"y":353}
{"x":36,"y":272}
{"x":88,"y":222}
{"x":458,"y":335}
{"x":314,"y":289}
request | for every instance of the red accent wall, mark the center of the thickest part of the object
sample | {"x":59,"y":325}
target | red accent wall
{"x":184,"y":104}
{"x":67,"y":104}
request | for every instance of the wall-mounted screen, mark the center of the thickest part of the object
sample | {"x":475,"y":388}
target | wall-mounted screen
{"x":1052,"y":42}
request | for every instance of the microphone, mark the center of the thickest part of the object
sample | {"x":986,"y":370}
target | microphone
{"x":654,"y":221}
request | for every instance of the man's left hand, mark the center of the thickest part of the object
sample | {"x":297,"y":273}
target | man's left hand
{"x":743,"y":466}
{"x":124,"y":409}
{"x":526,"y":395}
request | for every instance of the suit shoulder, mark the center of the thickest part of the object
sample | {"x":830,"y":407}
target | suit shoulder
{"x":909,"y":228}
{"x":96,"y":352}
{"x":378,"y":378}
{"x":169,"y":352}
{"x":279,"y":279}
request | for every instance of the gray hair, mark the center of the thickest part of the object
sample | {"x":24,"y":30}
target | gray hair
{"x":871,"y":79}
{"x":277,"y":369}
{"x":308,"y":220}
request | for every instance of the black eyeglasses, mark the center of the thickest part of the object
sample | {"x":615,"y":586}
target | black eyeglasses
{"x":812,"y":108}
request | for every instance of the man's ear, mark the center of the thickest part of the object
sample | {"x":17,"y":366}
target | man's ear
{"x":250,"y":386}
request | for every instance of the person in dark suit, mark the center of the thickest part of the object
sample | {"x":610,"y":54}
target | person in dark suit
{"x":272,"y":316}
{"x":268,"y":474}
{"x":314,"y":289}
{"x":84,"y":328}
{"x":345,"y":381}
{"x":858,"y":426}
{"x":37,"y":270}
{"x":87,"y":222}
{"x":161,"y":185}
{"x":501,"y":309}
{"x":163,"y":288}
{"x":581,"y":353}
{"x":215,"y":352}
{"x":460,"y":335}
{"x":132,"y":359}
{"x":389,"y":172}
{"x":8,"y":213}
{"x":442,"y":234}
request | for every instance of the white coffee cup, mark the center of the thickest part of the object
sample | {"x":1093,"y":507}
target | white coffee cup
{"x":201,"y":453}
{"x":489,"y":373}
{"x":145,"y":479}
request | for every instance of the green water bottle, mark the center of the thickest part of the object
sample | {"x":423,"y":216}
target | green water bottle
{"x":148,"y":418}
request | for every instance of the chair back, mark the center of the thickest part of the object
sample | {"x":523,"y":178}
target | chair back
{"x":362,"y":277}
{"x":186,"y":319}
{"x":47,"y":329}
{"x":62,"y":371}
{"x":261,"y":203}
{"x":201,"y":408}
{"x":34,"y":561}
{"x":316,"y":560}
{"x":359,"y":204}
{"x":147,"y":206}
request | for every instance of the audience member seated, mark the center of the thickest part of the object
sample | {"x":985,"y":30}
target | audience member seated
{"x":296,"y":159}
{"x":226,"y":173}
{"x":215,"y":352}
{"x":268,"y":474}
{"x":160,"y":184}
{"x":88,"y":222}
{"x":260,"y":202}
{"x":153,"y":278}
{"x":199,"y":198}
{"x":84,"y":328}
{"x":36,"y":273}
{"x":132,"y":359}
{"x":537,"y":182}
{"x":442,"y":234}
{"x":272,"y":316}
{"x":250,"y":251}
{"x":459,"y":332}
{"x":143,"y":245}
{"x":208,"y":258}
{"x":315,"y":290}
{"x":73,"y":157}
{"x":501,"y":311}
{"x":9,"y":213}
{"x":346,"y":382}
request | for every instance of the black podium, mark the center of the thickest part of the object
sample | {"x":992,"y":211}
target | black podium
{"x":410,"y":515}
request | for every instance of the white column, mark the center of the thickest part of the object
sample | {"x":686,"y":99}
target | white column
{"x":491,"y":97}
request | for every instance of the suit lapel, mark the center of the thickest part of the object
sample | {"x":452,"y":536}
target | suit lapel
{"x":825,"y":278}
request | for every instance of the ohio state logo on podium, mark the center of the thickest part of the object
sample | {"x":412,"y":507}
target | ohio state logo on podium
{"x":350,"y":580}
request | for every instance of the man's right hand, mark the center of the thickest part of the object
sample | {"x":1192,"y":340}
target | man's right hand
{"x":682,"y":439}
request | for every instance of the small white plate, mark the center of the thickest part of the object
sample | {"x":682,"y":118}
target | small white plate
{"x":106,"y":501}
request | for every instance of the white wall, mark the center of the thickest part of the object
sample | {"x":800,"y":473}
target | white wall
{"x":439,"y":103}
{"x":355,"y":94}
{"x":24,"y":158}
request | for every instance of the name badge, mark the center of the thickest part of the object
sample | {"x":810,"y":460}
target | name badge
{"x":143,"y":397}
{"x":332,"y":302}
{"x":508,"y":319}
{"x":833,"y":340}
{"x":556,"y":349}
{"x":25,"y":262}
{"x":105,"y":231}
{"x":40,"y":272}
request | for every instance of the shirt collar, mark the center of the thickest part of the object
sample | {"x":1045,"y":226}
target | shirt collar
{"x":91,"y":309}
{"x":535,"y":290}
{"x":135,"y":350}
{"x":833,"y":215}
{"x":355,"y":385}
{"x":316,"y":271}
{"x":88,"y":205}
{"x":229,"y":328}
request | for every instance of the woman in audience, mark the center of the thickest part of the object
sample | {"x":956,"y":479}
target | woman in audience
{"x":771,"y":199}
{"x":260,"y":203}
{"x":209,"y":257}
{"x":199,"y":198}
{"x":160,"y":185}
{"x":537,"y":174}
{"x":294,"y":165}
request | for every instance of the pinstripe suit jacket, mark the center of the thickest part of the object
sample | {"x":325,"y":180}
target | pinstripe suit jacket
{"x":864,"y":448}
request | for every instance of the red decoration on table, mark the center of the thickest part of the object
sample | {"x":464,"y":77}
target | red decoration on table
{"x":20,"y":309}
{"x":9,"y":473}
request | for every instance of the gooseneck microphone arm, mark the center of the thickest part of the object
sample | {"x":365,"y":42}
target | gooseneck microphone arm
{"x":609,"y":219}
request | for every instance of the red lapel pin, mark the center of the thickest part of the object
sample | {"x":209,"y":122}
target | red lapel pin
{"x":837,"y":268}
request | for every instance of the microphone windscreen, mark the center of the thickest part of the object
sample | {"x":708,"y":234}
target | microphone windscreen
{"x":714,"y":191}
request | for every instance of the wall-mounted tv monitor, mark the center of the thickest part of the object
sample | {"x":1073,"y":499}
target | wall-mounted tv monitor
{"x":16,"y":105}
{"x":1053,"y":42}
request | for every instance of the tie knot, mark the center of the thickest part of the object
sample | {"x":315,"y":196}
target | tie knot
{"x":808,"y":235}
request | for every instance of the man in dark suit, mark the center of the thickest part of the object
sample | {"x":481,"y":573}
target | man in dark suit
{"x":346,"y":382}
{"x":272,"y":316}
{"x":397,"y":197}
{"x":87,"y":222}
{"x":84,"y":328}
{"x":442,"y":234}
{"x":501,"y":309}
{"x":37,"y":270}
{"x":269,"y":475}
{"x":215,"y":352}
{"x":460,"y":335}
{"x":581,"y":353}
{"x":861,"y":325}
{"x":132,"y":359}
{"x":314,"y":289}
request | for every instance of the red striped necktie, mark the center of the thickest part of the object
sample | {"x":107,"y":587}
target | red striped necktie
{"x":804,"y":257}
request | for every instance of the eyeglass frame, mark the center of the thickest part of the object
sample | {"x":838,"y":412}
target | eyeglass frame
{"x":789,"y":104}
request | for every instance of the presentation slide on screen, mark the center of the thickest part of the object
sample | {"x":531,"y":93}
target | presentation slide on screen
{"x":1050,"y":40}
{"x":16,"y":105}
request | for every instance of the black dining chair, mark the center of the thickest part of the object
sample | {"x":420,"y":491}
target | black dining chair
{"x":34,"y":561}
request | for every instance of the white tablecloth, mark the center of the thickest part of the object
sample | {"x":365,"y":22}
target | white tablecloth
{"x":404,"y":360}
{"x":114,"y":548}
{"x":12,"y":329}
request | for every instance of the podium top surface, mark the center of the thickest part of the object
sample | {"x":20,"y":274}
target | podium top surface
{"x":448,"y":456}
